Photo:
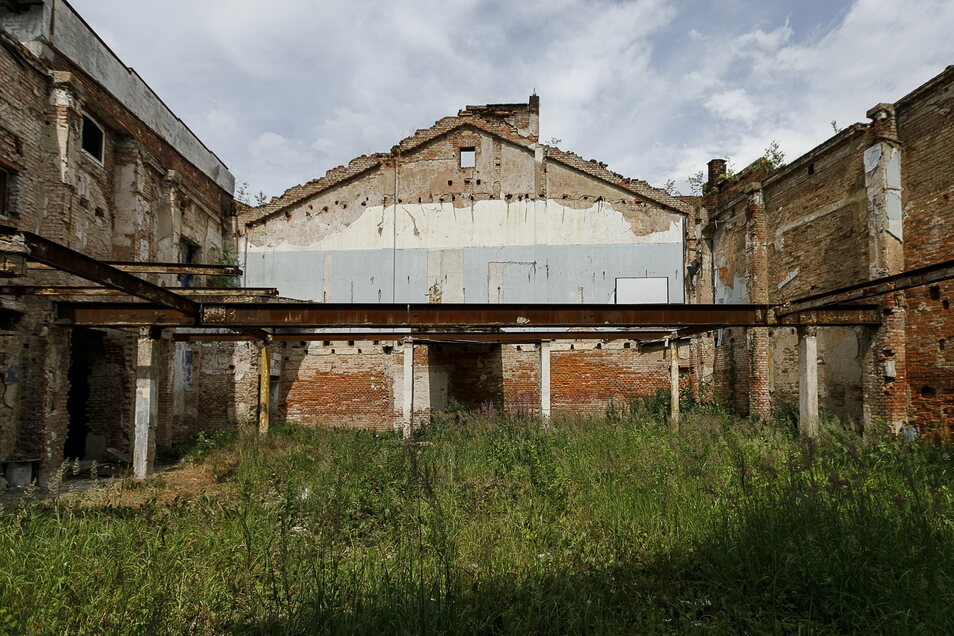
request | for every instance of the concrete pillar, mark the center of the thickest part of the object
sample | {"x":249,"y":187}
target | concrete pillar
{"x":264,"y":386}
{"x":808,"y":380}
{"x":545,"y":379}
{"x":674,"y":383}
{"x":147,"y":406}
{"x":407,"y":418}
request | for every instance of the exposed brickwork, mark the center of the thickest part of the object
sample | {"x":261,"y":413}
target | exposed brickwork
{"x":925,"y":121}
{"x":828,"y":225}
{"x":138,"y":203}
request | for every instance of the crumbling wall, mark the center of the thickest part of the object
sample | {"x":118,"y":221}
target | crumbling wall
{"x":526,"y":223}
{"x":926,"y":128}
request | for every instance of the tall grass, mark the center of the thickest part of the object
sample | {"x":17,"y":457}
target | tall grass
{"x":501,"y":525}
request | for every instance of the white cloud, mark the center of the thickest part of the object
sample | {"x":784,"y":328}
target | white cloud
{"x":733,"y":104}
{"x":655,"y":88}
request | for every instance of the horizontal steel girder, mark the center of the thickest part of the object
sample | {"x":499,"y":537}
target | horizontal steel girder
{"x":133,"y":267}
{"x":872,"y":288}
{"x":421,"y":316}
{"x":70,"y":261}
{"x":192,"y":292}
{"x":463,"y":337}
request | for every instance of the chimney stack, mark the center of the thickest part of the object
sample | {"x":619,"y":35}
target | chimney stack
{"x":716,"y":170}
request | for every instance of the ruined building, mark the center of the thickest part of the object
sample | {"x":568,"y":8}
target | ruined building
{"x":473,"y":209}
{"x":471,"y":215}
{"x":874,"y":200}
{"x":91,"y":158}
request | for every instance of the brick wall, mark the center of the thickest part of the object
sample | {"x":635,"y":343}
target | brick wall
{"x":926,"y":128}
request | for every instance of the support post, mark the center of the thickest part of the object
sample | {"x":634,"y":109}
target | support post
{"x":264,"y":384}
{"x":408,"y":403}
{"x":808,"y":380}
{"x":674,"y":383}
{"x":147,"y":405}
{"x":545,"y":379}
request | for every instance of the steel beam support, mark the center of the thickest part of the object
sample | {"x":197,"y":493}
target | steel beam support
{"x":452,"y":337}
{"x":467,"y":318}
{"x":489,"y":315}
{"x":872,"y":288}
{"x":132,"y":267}
{"x":63,"y":290}
{"x":64,"y":259}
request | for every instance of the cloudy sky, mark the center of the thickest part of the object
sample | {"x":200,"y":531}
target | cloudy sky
{"x":286,"y":89}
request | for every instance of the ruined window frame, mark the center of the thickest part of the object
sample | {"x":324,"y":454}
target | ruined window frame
{"x":190,"y":253}
{"x":471,"y":151}
{"x":87,"y":118}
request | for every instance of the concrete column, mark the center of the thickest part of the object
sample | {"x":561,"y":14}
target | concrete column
{"x":808,"y":381}
{"x":407,"y":418}
{"x":147,"y":406}
{"x":545,"y":379}
{"x":674,"y":383}
{"x":264,"y":386}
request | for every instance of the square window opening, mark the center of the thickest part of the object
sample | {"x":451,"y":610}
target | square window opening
{"x":93,"y":139}
{"x":468,"y":157}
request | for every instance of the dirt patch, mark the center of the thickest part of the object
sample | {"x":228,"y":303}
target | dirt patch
{"x":179,"y":484}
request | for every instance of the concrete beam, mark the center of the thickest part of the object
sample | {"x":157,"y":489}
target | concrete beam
{"x":147,"y":406}
{"x":545,"y":379}
{"x":808,"y":381}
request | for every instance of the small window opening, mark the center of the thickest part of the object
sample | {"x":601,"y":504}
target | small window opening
{"x":811,"y":169}
{"x":935,"y":292}
{"x":468,"y":157}
{"x":188,"y":255}
{"x":928,"y":391}
{"x":450,"y":182}
{"x":93,"y":138}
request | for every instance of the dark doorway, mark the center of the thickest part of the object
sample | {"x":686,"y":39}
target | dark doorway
{"x":86,"y":348}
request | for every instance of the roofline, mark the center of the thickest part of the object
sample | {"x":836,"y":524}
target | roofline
{"x":463,"y":122}
{"x":132,"y":70}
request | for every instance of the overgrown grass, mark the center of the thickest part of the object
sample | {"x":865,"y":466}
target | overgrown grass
{"x":499,"y":525}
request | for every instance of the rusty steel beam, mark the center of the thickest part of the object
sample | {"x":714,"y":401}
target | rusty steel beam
{"x":468,"y":315}
{"x":67,"y":260}
{"x":833,"y":316}
{"x":215,"y":292}
{"x":511,"y":337}
{"x":872,"y":288}
{"x":133,"y":267}
{"x":94,"y":314}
